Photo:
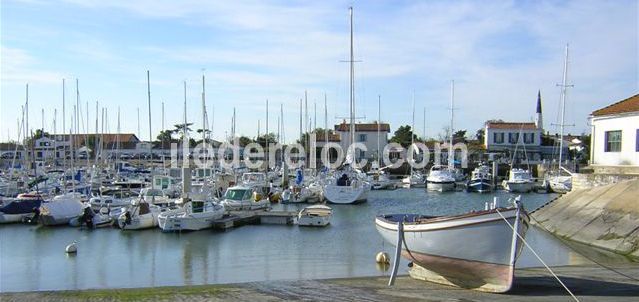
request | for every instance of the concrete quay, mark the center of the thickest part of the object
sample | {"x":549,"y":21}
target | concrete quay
{"x":588,"y":283}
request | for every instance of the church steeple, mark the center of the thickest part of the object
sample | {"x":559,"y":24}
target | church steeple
{"x":538,"y":118}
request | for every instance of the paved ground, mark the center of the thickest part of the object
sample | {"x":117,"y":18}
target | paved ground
{"x":588,"y":283}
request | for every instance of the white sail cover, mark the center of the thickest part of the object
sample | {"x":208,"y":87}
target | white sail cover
{"x":63,"y":207}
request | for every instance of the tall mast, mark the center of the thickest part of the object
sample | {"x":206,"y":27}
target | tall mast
{"x":412,"y":133}
{"x":266,"y":137}
{"x":148,"y":93}
{"x":352,"y":83}
{"x":203,"y":111}
{"x":564,"y":85}
{"x":451,"y":155}
{"x":64,"y":128}
{"x":325,"y":121}
{"x":424,"y":127}
{"x":379,"y":121}
{"x":282,"y":123}
{"x":301,"y":127}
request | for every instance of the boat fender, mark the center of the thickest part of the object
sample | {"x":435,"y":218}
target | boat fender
{"x":382,"y":257}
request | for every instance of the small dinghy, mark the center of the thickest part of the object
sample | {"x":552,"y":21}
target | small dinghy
{"x":317,"y":215}
{"x":477,"y":250}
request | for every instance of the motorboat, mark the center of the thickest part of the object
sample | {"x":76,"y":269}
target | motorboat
{"x":18,"y":210}
{"x":196,"y":214}
{"x":141,"y":215}
{"x":414,"y":180}
{"x":315,"y":215}
{"x":156,"y":197}
{"x":476,"y":250}
{"x":109,"y":202}
{"x":519,"y":181}
{"x":481,"y":180}
{"x":440,"y":178}
{"x":61,"y":209}
{"x":92,"y":219}
{"x":244,"y":198}
{"x":560,"y":183}
{"x":380,"y":180}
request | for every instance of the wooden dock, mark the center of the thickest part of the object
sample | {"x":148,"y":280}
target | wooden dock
{"x":239,"y":218}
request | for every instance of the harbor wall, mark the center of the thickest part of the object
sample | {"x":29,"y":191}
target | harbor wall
{"x":605,"y":216}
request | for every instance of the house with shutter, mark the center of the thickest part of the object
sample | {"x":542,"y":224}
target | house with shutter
{"x":370,"y":134}
{"x":615,"y":135}
{"x":508,"y":137}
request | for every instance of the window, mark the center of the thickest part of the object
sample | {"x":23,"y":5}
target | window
{"x":529,"y":138}
{"x":613,"y":141}
{"x":498,"y":138}
{"x":513,"y":138}
{"x":362,"y":154}
{"x":362,"y":138}
{"x":637,"y":141}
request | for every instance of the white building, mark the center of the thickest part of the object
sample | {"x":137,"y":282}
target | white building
{"x":615,"y":134}
{"x":507,"y":136}
{"x":367,"y":134}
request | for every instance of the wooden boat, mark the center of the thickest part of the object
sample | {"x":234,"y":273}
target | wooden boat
{"x":477,"y":250}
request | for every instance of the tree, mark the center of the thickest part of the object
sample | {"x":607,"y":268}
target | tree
{"x":272,"y":139}
{"x":479,"y":135}
{"x":244,"y":140}
{"x":459,"y":136}
{"x":403,"y":136}
{"x":164,"y":139}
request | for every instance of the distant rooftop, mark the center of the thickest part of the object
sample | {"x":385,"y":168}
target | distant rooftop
{"x":511,"y":125}
{"x":367,"y":127}
{"x":630,"y":104}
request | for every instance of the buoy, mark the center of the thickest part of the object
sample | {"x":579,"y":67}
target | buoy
{"x":71,"y":248}
{"x":382,"y":257}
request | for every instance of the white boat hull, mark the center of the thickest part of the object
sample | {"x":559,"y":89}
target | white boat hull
{"x":139,"y":222}
{"x":13,"y":218}
{"x":313,"y":221}
{"x":346,"y":194}
{"x":518,"y":187}
{"x":184,"y":221}
{"x":440,"y":186}
{"x":472,"y":251}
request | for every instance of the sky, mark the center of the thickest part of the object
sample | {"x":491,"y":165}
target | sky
{"x":499,"y":53}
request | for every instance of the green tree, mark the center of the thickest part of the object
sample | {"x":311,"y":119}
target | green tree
{"x":244,"y":140}
{"x":272,"y":139}
{"x":479,"y":135}
{"x":403,"y":136}
{"x":459,"y":136}
{"x":164,"y":139}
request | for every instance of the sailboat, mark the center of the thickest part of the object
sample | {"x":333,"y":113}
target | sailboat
{"x":415,"y":179}
{"x":560,"y":181}
{"x":442,"y":178}
{"x":347,"y":187}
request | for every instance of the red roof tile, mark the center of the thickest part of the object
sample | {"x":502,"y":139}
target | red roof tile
{"x":630,"y":104}
{"x":369,"y":127}
{"x":511,"y":125}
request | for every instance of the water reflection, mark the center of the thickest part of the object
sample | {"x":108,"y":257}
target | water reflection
{"x":33,"y":258}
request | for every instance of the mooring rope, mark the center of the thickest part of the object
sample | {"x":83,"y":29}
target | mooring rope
{"x":537,"y":255}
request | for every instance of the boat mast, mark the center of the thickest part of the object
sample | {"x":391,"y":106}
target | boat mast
{"x":352,"y":83}
{"x":266,"y":138}
{"x":379,"y":120}
{"x":325,"y":121}
{"x":563,"y":86}
{"x":412,"y":134}
{"x":148,"y":93}
{"x":451,"y":155}
{"x":64,"y":129}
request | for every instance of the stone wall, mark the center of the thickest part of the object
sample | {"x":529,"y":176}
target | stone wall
{"x":606,"y":217}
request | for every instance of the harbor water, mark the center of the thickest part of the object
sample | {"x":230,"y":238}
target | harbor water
{"x":32,"y":258}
